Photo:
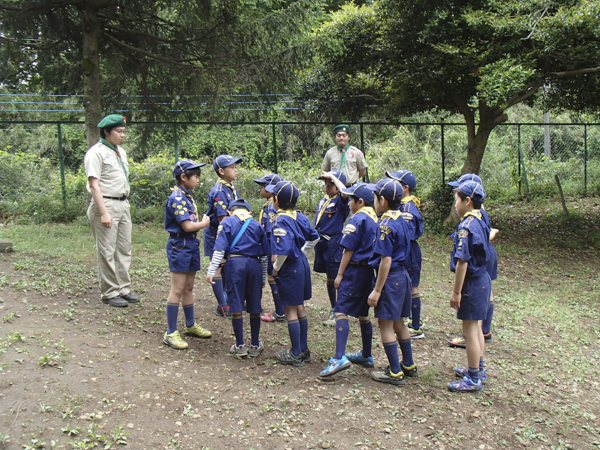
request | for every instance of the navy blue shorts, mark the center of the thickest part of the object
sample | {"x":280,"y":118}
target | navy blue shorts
{"x":354,"y":291}
{"x":414,"y":263}
{"x":183,"y":254}
{"x":294,"y":282}
{"x":475,"y":297}
{"x":242,"y":277}
{"x":492,"y":265}
{"x":209,"y":236}
{"x":328,"y":255}
{"x":396,"y":296}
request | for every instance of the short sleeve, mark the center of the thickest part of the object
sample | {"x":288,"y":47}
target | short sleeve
{"x":179,"y":206}
{"x":464,"y":244}
{"x":282,"y":240}
{"x":352,"y":235}
{"x":222,"y":240}
{"x":361,"y":162}
{"x":221,"y":204}
{"x":326,"y":166}
{"x":384,"y":244}
{"x":93,"y":164}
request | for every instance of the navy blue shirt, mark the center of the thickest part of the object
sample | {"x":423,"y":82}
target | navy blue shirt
{"x":218,"y":201}
{"x":471,"y":243}
{"x":267,"y":214}
{"x":291,"y":229}
{"x":253,"y":242}
{"x":413,"y":218}
{"x":393,"y":240}
{"x":179,"y":208}
{"x":360,"y":233}
{"x":331,"y":215}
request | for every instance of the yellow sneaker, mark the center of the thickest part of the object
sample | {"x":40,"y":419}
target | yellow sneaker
{"x":174,"y":340}
{"x":197,"y":330}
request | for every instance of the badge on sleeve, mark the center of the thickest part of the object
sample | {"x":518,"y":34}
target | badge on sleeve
{"x":279,"y":232}
{"x":350,"y":228}
{"x":463,"y":234}
{"x":407,"y":216}
{"x":219,"y":229}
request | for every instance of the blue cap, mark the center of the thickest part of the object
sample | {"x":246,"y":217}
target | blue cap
{"x":223,"y":161}
{"x":338,"y":174}
{"x":268,"y":179}
{"x":388,"y":188}
{"x":464,"y":178}
{"x":239,"y":203}
{"x":360,"y":190}
{"x":285,"y":190}
{"x":473,"y":189}
{"x":404,"y":176}
{"x":183,"y":165}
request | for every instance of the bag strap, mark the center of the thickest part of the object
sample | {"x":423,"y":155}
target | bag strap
{"x":239,"y":235}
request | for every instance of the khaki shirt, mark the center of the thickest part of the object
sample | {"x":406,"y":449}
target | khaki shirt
{"x":355,"y":161}
{"x":102,"y":162}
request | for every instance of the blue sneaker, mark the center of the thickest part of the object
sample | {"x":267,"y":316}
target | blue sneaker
{"x":465,"y":385}
{"x":358,"y":358}
{"x":335,"y":366}
{"x":462,"y":371}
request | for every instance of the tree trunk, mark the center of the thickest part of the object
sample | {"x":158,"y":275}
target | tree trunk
{"x":90,"y":64}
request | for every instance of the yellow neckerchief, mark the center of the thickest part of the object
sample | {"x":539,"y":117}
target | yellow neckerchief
{"x":284,"y":212}
{"x":187,"y":195}
{"x":329,"y":199}
{"x":262,"y":211}
{"x":412,"y":198}
{"x":391,"y":214}
{"x":474,"y":212}
{"x":242,"y":214}
{"x":230,"y":186}
{"x":369,"y":211}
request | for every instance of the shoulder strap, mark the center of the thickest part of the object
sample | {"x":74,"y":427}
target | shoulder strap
{"x":239,"y":235}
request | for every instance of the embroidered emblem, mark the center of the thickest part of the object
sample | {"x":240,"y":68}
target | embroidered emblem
{"x":279,"y":232}
{"x":462,"y":234}
{"x":349,"y":229}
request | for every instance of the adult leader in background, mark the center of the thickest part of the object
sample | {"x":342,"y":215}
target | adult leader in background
{"x":107,"y":174}
{"x":345,"y":157}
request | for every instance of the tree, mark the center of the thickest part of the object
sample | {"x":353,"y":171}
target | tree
{"x":154,"y":56}
{"x":479,"y":58}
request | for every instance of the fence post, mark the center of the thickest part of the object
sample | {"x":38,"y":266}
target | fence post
{"x":519,"y":155}
{"x":443,"y":156}
{"x":176,"y":149}
{"x":523,"y":162}
{"x":61,"y":157}
{"x":362,"y":147}
{"x":274,"y":146}
{"x":585,"y":160}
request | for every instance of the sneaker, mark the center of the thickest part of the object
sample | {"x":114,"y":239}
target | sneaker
{"x":330,"y":322}
{"x":197,"y":330}
{"x":416,"y":334}
{"x":388,"y":377}
{"x":358,"y":358}
{"x":306,"y":356}
{"x":117,"y":301}
{"x":279,"y":318}
{"x":488,"y":338}
{"x":239,"y":351}
{"x":223,"y":311}
{"x":268,"y":317}
{"x":131,"y":298}
{"x":410,"y":371}
{"x":335,"y":366}
{"x":174,"y":340}
{"x":458,"y":341}
{"x":465,"y":385}
{"x":462,"y":371}
{"x":407,"y":320}
{"x":287,"y":357}
{"x":256,"y":350}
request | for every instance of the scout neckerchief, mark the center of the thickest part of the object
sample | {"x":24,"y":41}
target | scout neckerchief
{"x":412,"y":198}
{"x":343,"y":160}
{"x":230,"y":186}
{"x":474,"y":212}
{"x":369,"y":211}
{"x":262,"y":211}
{"x":109,"y":145}
{"x":284,"y":212}
{"x":329,"y":199}
{"x":183,"y":191}
{"x":241,"y":214}
{"x":391,"y":214}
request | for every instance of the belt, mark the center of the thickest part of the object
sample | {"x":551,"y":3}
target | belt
{"x":183,"y":235}
{"x":356,"y":263}
{"x":327,"y":237}
{"x":247,"y":256}
{"x":116,"y":198}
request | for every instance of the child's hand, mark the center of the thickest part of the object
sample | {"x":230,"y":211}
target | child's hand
{"x":374,"y":298}
{"x":338,"y":281}
{"x":205,"y":221}
{"x":493,"y":233}
{"x":327,"y":175}
{"x":209,"y":279}
{"x":455,"y":301}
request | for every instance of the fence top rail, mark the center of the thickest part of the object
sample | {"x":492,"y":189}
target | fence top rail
{"x":81,"y":122}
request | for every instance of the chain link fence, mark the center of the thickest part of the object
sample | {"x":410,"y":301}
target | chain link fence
{"x":42,"y":171}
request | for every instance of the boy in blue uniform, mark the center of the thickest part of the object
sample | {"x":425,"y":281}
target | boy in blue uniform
{"x":243,"y":243}
{"x":183,"y":252}
{"x":354,"y":280}
{"x":391,"y":296}
{"x":472,"y":284}
{"x":410,"y":211}
{"x":491,"y":267}
{"x":291,"y":238}
{"x":267,"y":214}
{"x":218,"y":201}
{"x":331,"y":214}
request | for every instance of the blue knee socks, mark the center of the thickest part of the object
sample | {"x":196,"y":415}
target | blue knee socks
{"x":255,"y":328}
{"x":294,"y":330}
{"x":391,"y":351}
{"x":416,"y":311}
{"x":303,"y":321}
{"x":486,"y":325}
{"x":190,"y":320}
{"x":172,"y":311}
{"x":279,"y":308}
{"x":218,"y":291}
{"x":237,"y":322}
{"x":366,"y":333}
{"x":474,"y":374}
{"x":342,"y":329}
{"x":332,"y":294}
{"x":406,"y":350}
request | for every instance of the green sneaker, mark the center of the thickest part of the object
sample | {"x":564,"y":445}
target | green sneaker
{"x":174,"y":340}
{"x":197,"y":330}
{"x":388,"y":377}
{"x":416,"y":334}
{"x":410,"y":371}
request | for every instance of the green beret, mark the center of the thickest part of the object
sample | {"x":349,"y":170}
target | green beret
{"x":113,"y":120}
{"x":341,"y":127}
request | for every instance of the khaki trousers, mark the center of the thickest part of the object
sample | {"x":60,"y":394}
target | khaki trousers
{"x":113,"y":247}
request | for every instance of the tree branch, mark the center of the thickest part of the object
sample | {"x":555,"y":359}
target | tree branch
{"x":523,"y":94}
{"x":573,"y":72}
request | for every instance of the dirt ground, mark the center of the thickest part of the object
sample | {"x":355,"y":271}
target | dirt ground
{"x":79,"y":374}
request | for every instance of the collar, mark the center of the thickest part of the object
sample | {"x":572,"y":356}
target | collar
{"x":109,"y":145}
{"x":183,"y":190}
{"x":241,"y":214}
{"x":391,"y":214}
{"x":474,"y":212}
{"x":412,"y":198}
{"x":268,"y":202}
{"x":284,"y":212}
{"x":225,"y":183}
{"x":342,"y":149}
{"x":369,"y":211}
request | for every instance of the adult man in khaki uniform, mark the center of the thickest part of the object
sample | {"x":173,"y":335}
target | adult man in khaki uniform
{"x":107,"y":173}
{"x":345,"y":157}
